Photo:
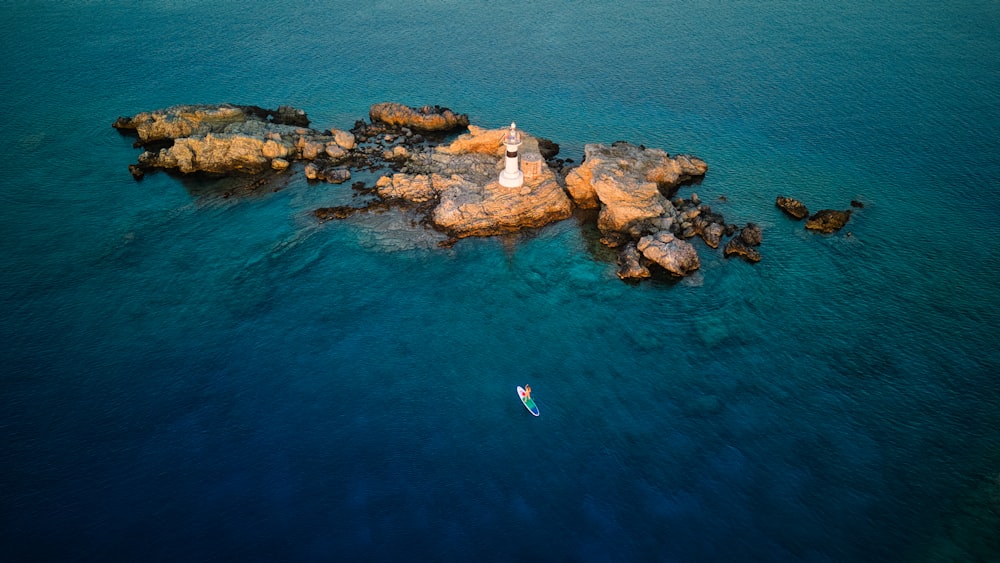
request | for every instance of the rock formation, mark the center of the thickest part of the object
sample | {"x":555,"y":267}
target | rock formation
{"x":793,"y":207}
{"x":459,"y":181}
{"x":828,"y":220}
{"x":825,"y":221}
{"x":426,"y":118}
{"x":227,"y":138}
{"x":745,"y":243}
{"x":628,"y":183}
{"x":454,"y":186}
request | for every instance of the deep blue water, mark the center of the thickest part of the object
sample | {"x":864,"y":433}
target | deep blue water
{"x":189,"y":377}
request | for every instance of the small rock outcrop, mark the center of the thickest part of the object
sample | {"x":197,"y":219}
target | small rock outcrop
{"x":828,"y":221}
{"x":745,"y":243}
{"x":426,"y":118}
{"x":792,"y":207}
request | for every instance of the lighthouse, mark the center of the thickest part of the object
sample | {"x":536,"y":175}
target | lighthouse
{"x":512,"y":177}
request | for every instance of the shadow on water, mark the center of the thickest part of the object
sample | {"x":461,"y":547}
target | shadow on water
{"x":203,"y":186}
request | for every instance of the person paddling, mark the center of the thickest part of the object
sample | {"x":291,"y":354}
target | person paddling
{"x":527,"y":392}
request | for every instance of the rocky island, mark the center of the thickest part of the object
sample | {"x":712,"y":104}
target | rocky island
{"x":435,"y":161}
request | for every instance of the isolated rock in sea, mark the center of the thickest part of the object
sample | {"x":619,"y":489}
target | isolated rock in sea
{"x":675,"y":255}
{"x":736,"y":247}
{"x":793,"y":207}
{"x":426,"y":118}
{"x":828,"y":220}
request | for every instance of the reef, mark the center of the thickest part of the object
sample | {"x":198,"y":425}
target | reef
{"x":432,"y":160}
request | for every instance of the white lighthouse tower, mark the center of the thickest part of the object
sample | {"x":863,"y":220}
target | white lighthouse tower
{"x":512,"y":177}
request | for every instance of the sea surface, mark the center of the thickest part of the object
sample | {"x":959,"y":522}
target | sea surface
{"x":190,"y":377}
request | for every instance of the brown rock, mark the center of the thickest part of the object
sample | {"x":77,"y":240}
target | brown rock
{"x":426,"y":118}
{"x":793,"y":207}
{"x":828,"y":220}
{"x":414,"y":189}
{"x":737,"y":247}
{"x":216,"y":154}
{"x":626,"y":182}
{"x":752,"y":235}
{"x":630,"y":266}
{"x":468,"y":209}
{"x":675,"y":255}
{"x":712,"y":234}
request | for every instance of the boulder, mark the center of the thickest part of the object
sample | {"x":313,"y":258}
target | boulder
{"x":630,"y":266}
{"x":737,"y":247}
{"x":793,"y":207}
{"x":675,"y":255}
{"x":828,"y":220}
{"x":327,"y":172}
{"x":288,"y":115}
{"x":312,"y":149}
{"x":426,"y":118}
{"x":712,"y":234}
{"x":345,"y":139}
{"x":752,"y":235}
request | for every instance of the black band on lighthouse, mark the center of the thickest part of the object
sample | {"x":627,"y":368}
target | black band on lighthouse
{"x":511,"y":154}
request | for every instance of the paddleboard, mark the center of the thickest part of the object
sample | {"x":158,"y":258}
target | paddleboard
{"x":528,"y":403}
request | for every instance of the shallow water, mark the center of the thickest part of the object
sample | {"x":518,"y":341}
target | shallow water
{"x":194,"y":377}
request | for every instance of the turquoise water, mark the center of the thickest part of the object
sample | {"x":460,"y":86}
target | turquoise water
{"x":189,"y":377}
